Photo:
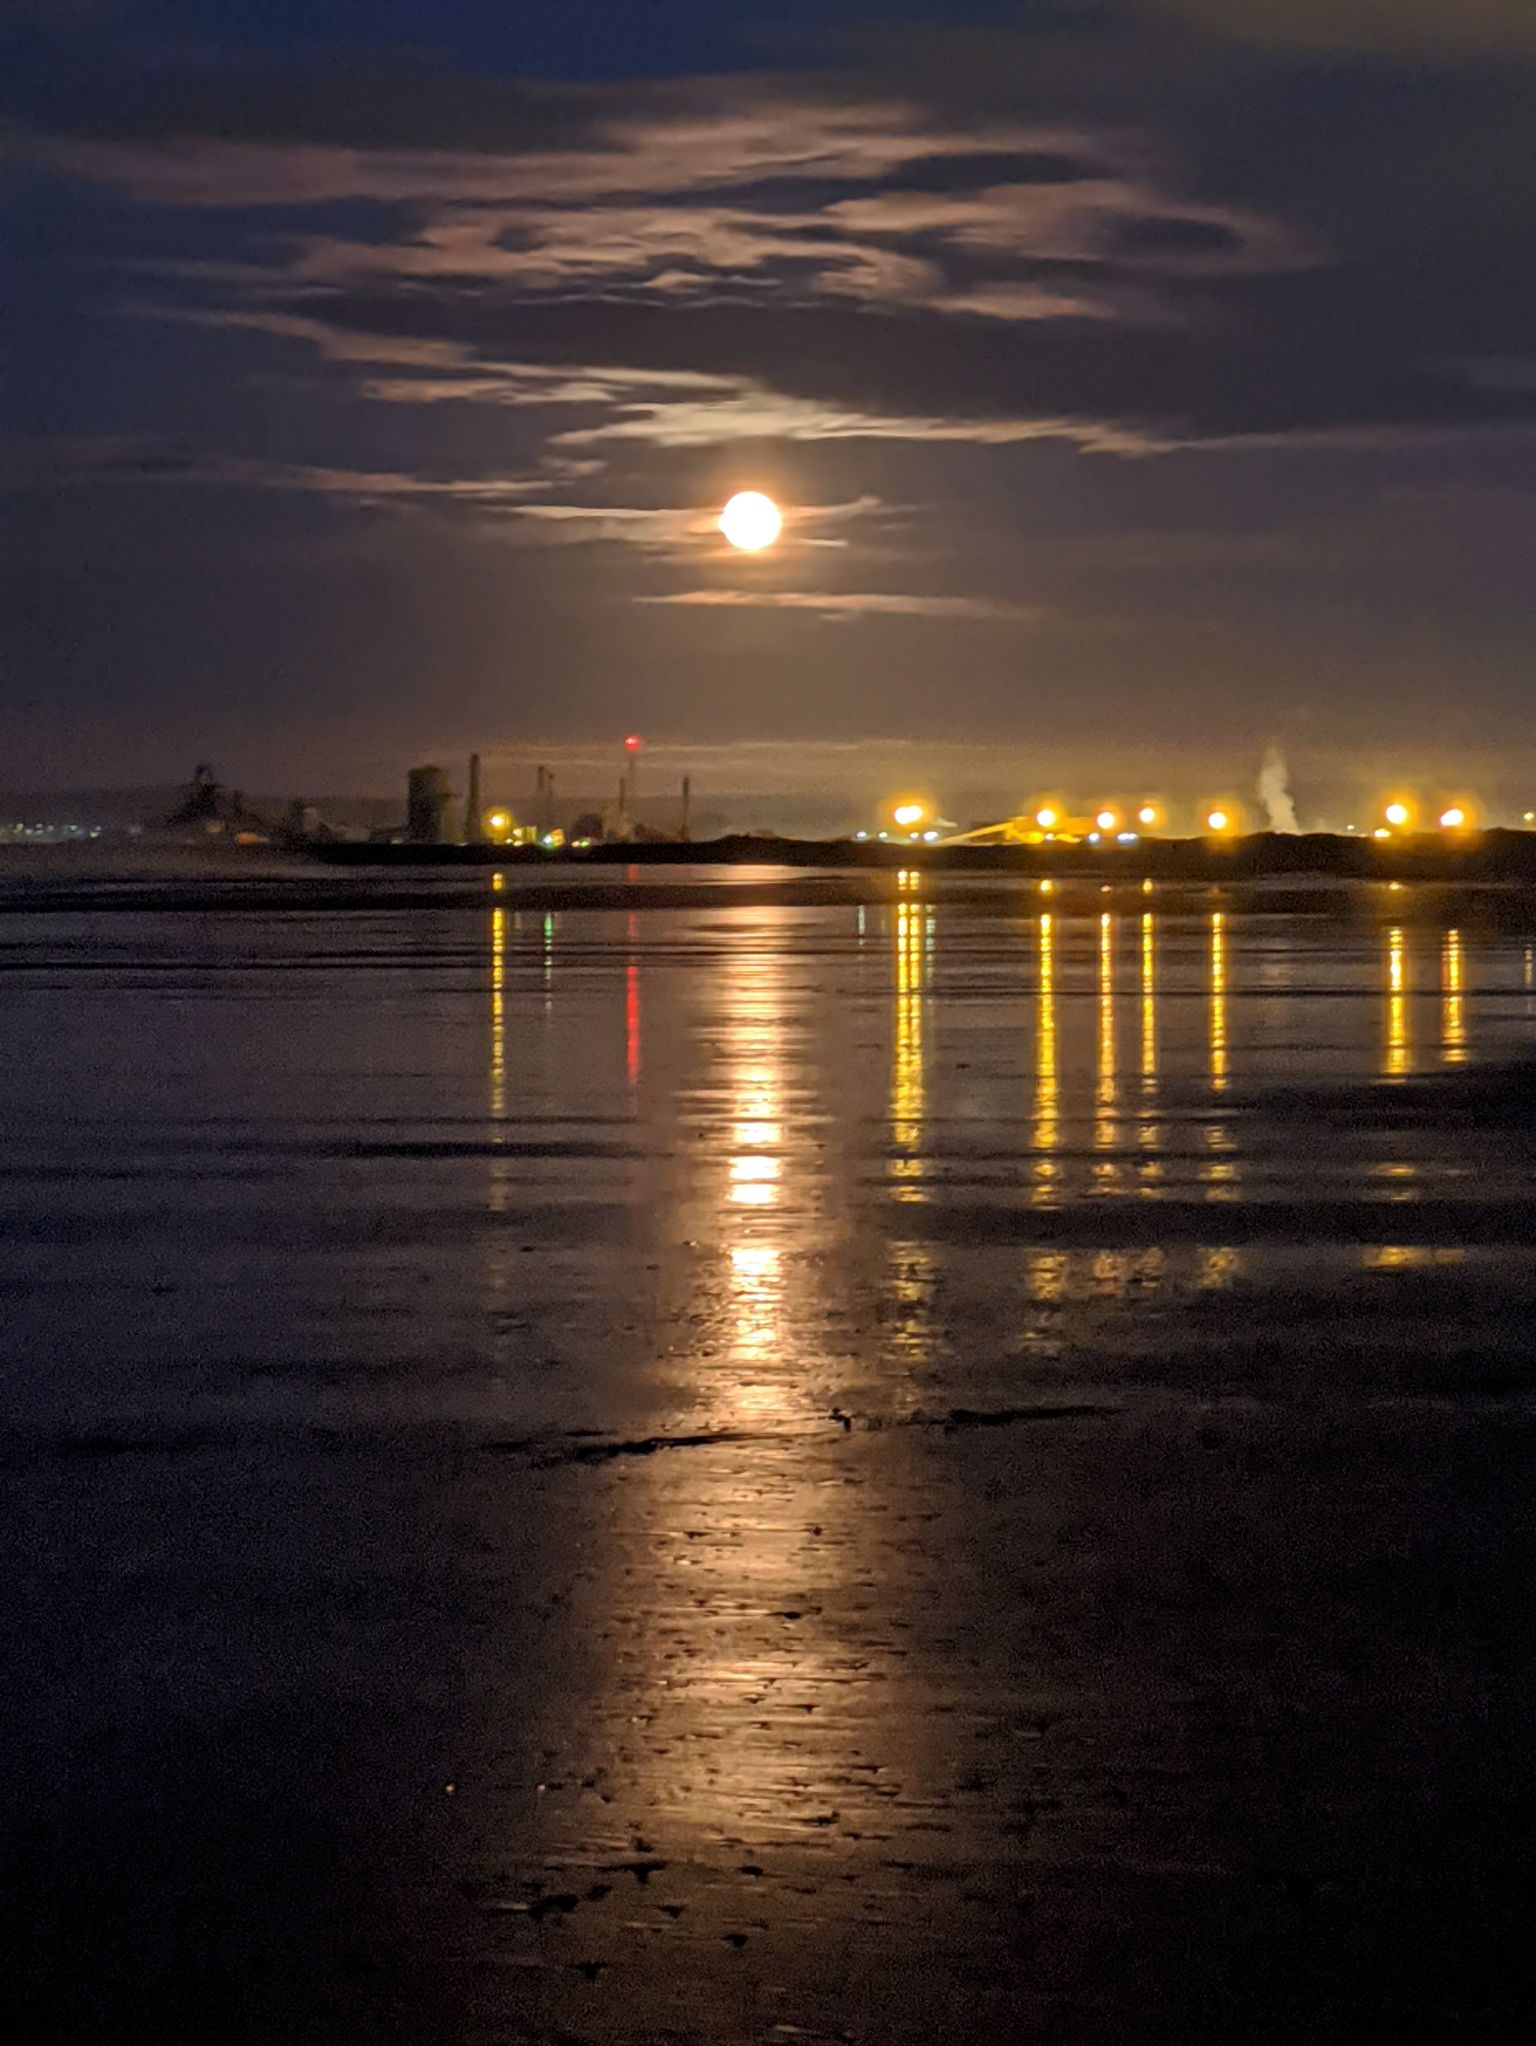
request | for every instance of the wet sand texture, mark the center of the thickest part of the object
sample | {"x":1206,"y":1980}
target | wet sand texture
{"x":887,"y":1472}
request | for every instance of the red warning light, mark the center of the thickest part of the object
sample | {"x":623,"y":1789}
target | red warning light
{"x":632,"y":743}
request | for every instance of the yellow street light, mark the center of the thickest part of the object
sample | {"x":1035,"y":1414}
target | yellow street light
{"x":1147,"y":814}
{"x":1219,"y":820}
{"x":1106,"y":820}
{"x":1397,"y":815}
{"x":1046,"y":819}
{"x":498,"y":820}
{"x":1454,"y":818}
{"x":906,"y":814}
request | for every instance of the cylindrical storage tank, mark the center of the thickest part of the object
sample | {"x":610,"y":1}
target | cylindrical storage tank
{"x":427,"y":796}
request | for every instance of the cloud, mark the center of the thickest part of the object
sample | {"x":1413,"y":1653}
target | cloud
{"x":521,"y":507}
{"x":852,"y":604}
{"x":755,"y":412}
{"x":810,"y":185}
{"x":691,"y":532}
{"x":52,"y":462}
{"x":825,"y":371}
{"x":1131,"y":238}
{"x":377,"y":487}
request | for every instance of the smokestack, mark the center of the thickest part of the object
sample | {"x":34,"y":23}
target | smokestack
{"x":683,"y":829}
{"x":1275,"y":792}
{"x":474,"y":819}
{"x":541,"y":801}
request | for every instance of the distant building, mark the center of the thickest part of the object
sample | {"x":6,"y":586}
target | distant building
{"x":427,"y":798}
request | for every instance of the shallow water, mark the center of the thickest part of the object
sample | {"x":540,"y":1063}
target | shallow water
{"x":920,"y":1459}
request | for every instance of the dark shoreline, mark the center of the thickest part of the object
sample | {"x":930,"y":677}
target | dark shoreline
{"x":1504,"y":857}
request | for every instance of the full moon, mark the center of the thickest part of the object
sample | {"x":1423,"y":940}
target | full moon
{"x":751,"y":521}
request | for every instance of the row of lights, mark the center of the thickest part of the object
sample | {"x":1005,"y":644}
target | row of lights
{"x":1108,"y":820}
{"x":1398,"y":815}
{"x":911,"y":818}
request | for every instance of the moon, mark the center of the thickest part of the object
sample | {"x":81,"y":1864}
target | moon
{"x":751,"y":521}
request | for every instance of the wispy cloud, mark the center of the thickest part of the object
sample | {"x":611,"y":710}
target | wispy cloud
{"x":681,"y":191}
{"x":147,"y":458}
{"x":1063,"y":238}
{"x":840,"y":605}
{"x":756,"y":412}
{"x":691,"y":532}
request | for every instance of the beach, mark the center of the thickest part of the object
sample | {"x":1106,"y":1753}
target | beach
{"x":809,"y":1458}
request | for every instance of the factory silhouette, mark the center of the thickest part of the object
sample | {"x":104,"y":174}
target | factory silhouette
{"x":1140,"y":842}
{"x":435,"y":815}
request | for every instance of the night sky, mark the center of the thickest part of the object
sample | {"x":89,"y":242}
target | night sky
{"x":1143,"y":383}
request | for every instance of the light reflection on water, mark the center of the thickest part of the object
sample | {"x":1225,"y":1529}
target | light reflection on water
{"x":498,"y":1015}
{"x":1148,"y":1005}
{"x":1094,"y":1125}
{"x":496,"y":1197}
{"x":1148,"y":1135}
{"x":631,"y":1003}
{"x":1106,"y":1128}
{"x":1398,"y":1062}
{"x":1047,"y":1078}
{"x":1453,"y":977}
{"x":1411,"y":1257}
{"x":913,"y":929}
{"x":1218,"y":1002}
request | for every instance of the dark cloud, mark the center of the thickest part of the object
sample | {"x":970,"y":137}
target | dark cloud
{"x":1090,"y":379}
{"x":974,"y":170}
{"x":1150,"y":236}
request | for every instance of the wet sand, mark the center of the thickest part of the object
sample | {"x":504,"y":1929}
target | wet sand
{"x":886,"y":1470}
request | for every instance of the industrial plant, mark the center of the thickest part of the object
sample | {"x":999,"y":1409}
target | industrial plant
{"x":475,"y":817}
{"x":437,"y":815}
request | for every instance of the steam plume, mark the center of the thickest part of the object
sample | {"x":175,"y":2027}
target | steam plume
{"x":1275,"y":792}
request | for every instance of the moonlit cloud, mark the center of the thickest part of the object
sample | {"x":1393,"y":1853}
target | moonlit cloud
{"x":790,"y":194}
{"x":850,"y":604}
{"x":691,"y":533}
{"x":756,"y":415}
{"x":1065,"y":268}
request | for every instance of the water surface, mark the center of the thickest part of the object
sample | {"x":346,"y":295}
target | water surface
{"x":926,"y":1458}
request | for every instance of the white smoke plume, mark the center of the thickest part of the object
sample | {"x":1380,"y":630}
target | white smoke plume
{"x":1275,"y":792}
